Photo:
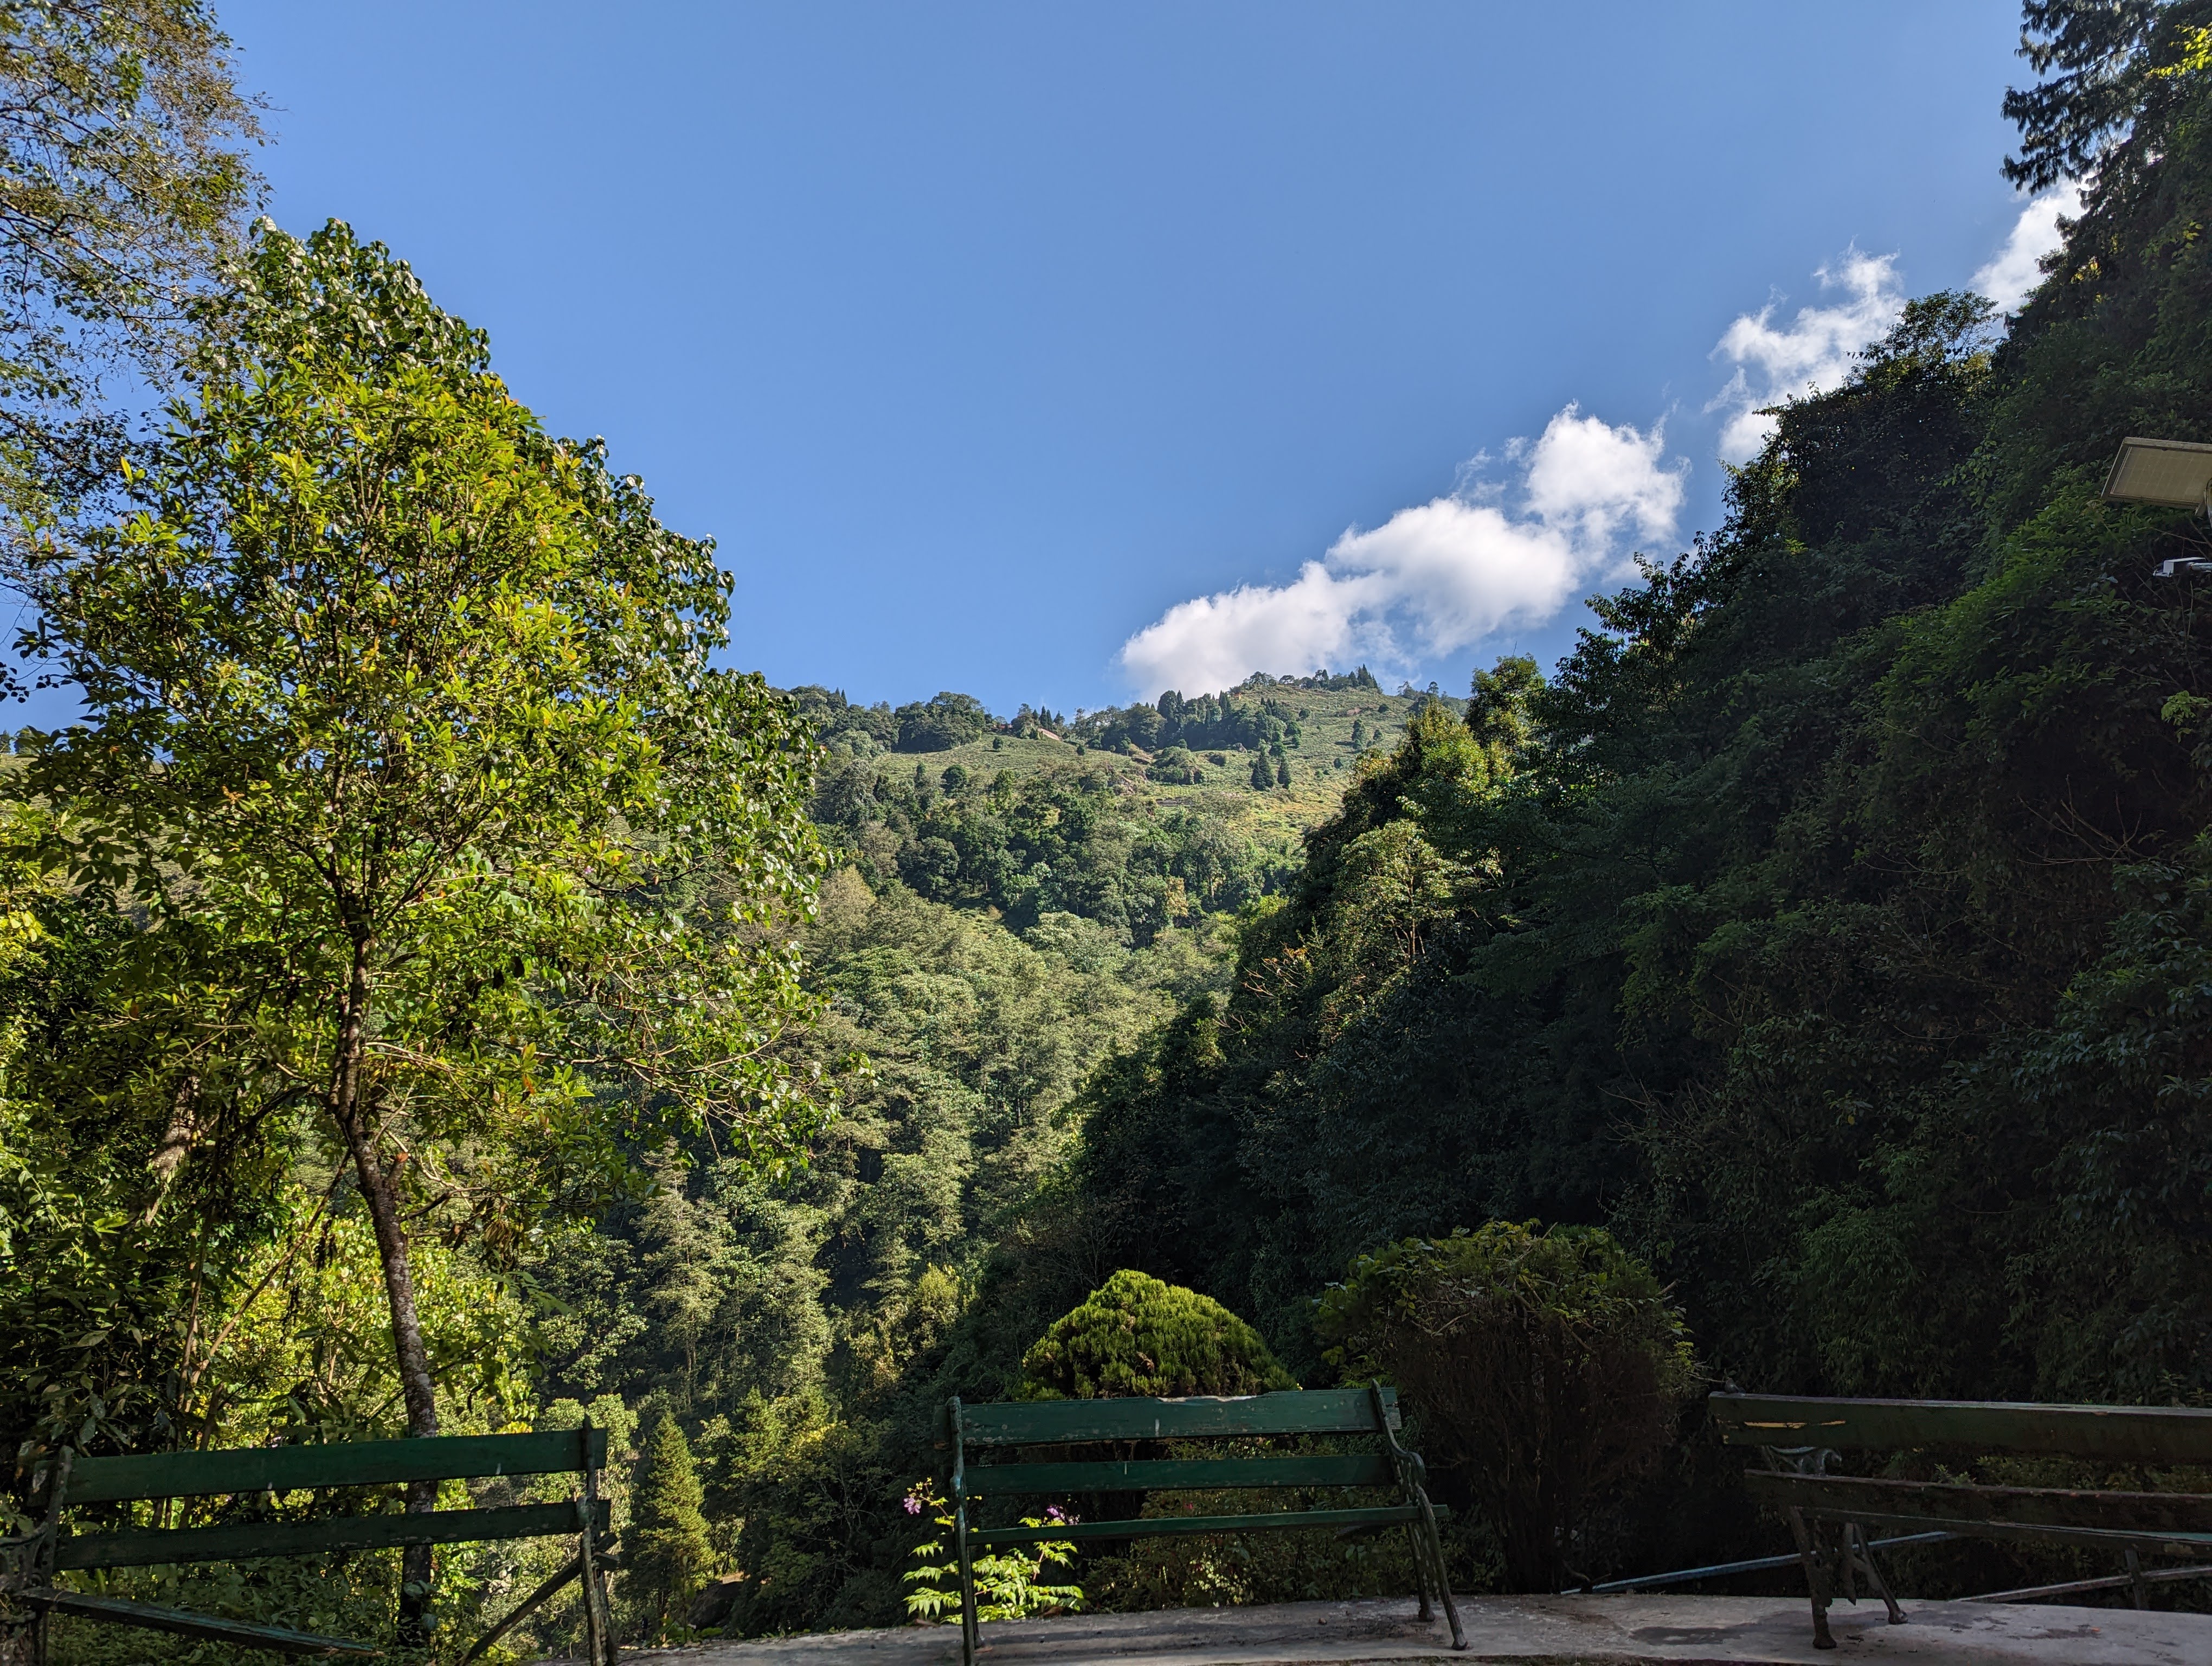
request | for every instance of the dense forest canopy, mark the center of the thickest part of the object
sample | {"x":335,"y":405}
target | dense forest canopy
{"x":1833,"y":927}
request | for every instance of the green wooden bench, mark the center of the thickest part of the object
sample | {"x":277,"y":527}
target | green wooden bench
{"x":1828,"y":1514}
{"x":975,"y":1430}
{"x":28,"y":1563}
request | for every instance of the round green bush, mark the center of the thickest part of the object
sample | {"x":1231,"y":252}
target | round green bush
{"x":1546,"y":1366}
{"x":1135,"y":1336}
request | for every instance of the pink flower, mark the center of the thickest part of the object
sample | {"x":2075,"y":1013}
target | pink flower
{"x":912,"y":1504}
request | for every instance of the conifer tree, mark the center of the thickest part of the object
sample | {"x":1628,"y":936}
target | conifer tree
{"x":666,"y":1552}
{"x":1135,"y":1335}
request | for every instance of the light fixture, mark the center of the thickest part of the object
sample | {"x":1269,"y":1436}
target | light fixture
{"x":2176,"y":474}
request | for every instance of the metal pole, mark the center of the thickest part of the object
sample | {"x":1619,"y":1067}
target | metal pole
{"x":1685,"y":1576}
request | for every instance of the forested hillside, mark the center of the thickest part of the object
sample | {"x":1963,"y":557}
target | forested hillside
{"x":1834,"y":926}
{"x":1831,"y":924}
{"x":1141,"y":818}
{"x":1016,"y":905}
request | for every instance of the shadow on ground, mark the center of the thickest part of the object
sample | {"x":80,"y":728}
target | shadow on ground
{"x":1532,"y":1631}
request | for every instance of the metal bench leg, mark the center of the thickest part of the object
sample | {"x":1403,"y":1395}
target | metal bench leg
{"x":1421,"y":1550}
{"x":23,"y":1637}
{"x":970,"y":1633}
{"x":598,"y":1614}
{"x":1437,"y":1569}
{"x":1410,"y":1472}
{"x":1816,"y":1579}
{"x":2137,"y":1587}
{"x":38,"y":1555}
{"x":1855,"y":1546}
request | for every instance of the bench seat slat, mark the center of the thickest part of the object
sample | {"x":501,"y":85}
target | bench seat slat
{"x":146,"y":1546}
{"x":2122,"y":1434}
{"x":1155,"y":1526}
{"x":355,"y":1463}
{"x":2048,"y":1506}
{"x":208,"y":1626}
{"x":1291,"y":1412}
{"x":987,"y":1479}
{"x":2161,"y":1544}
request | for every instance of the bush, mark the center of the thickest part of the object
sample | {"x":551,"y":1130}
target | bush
{"x":1546,"y":1365}
{"x":1135,"y":1336}
{"x":1175,"y":767}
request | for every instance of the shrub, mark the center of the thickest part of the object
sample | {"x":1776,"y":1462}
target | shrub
{"x":1008,"y":1586}
{"x":1135,"y":1336}
{"x":1175,"y":767}
{"x":1546,"y":1365}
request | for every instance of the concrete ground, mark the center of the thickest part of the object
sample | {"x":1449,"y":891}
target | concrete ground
{"x":1554,"y":1631}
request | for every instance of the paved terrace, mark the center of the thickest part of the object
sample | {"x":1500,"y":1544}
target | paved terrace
{"x":1555,"y":1630}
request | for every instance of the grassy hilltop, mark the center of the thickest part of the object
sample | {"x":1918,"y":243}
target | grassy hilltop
{"x":1188,"y":807}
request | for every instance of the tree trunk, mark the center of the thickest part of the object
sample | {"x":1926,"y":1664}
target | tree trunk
{"x":378,"y":1191}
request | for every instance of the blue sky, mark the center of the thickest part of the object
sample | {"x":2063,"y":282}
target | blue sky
{"x":1055,"y":352}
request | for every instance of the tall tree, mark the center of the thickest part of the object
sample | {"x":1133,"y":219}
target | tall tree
{"x":400,"y":725}
{"x":124,"y":187}
{"x":2067,"y":120}
{"x":669,"y":1553}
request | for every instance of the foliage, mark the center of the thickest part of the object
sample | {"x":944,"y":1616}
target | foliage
{"x":1135,"y":1336}
{"x":1067,"y":841}
{"x":1824,"y":927}
{"x":666,"y":1552}
{"x":2065,"y":120}
{"x":939,"y":724}
{"x":1208,"y":722}
{"x":1009,"y":1585}
{"x":124,"y":182}
{"x":1547,"y":1366}
{"x":459,"y":864}
{"x":809,"y":1331}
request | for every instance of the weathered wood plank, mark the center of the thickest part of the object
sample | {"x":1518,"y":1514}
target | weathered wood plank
{"x":351,"y":1463}
{"x":114,"y":1612}
{"x":2047,"y":1506}
{"x":1293,"y":1411}
{"x":994,"y":1480}
{"x":144,"y":1546}
{"x":2122,"y":1434}
{"x":1156,"y":1526}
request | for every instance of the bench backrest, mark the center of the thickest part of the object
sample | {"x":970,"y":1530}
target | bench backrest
{"x":354,"y":1463}
{"x":1065,"y":1422}
{"x":1057,"y":1422}
{"x":2122,"y":1434}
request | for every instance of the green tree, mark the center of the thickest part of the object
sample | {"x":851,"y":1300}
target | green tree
{"x":399,"y":724}
{"x":124,"y":184}
{"x":1136,"y":1335}
{"x":1262,"y":776}
{"x":1498,"y":708}
{"x":2067,"y":120}
{"x":941,"y":724}
{"x":666,"y":1556}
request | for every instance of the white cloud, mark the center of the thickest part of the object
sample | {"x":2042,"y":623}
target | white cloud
{"x":1438,"y":578}
{"x":1434,"y":579}
{"x":2015,"y":270}
{"x":1812,"y":353}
